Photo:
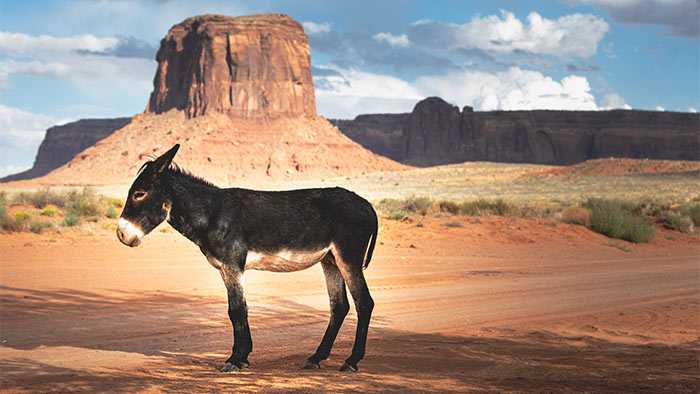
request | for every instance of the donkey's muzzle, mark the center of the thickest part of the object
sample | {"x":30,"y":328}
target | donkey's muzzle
{"x":128,"y":233}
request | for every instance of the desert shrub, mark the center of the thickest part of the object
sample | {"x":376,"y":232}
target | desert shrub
{"x":71,"y":220}
{"x":38,"y":227}
{"x":482,"y":207}
{"x":113,"y":202}
{"x":22,"y":216}
{"x":453,"y":224}
{"x":693,"y":212}
{"x":677,"y":221}
{"x":40,"y":198}
{"x":447,"y":206}
{"x":10,"y":224}
{"x":111,"y":212}
{"x":49,"y":212}
{"x":406,"y":206}
{"x":615,"y":219}
{"x":576,"y":215}
{"x":83,"y":203}
{"x":397,"y":215}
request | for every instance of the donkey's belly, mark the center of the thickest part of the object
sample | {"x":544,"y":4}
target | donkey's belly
{"x":284,"y":260}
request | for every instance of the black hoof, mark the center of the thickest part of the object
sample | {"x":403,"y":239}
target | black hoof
{"x":311,"y":365}
{"x":348,"y":368}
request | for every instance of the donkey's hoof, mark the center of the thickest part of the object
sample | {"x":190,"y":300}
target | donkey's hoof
{"x":348,"y":368}
{"x":230,"y":367}
{"x":311,"y":365}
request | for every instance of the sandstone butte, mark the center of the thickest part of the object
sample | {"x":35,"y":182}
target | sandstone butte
{"x":238,"y":94}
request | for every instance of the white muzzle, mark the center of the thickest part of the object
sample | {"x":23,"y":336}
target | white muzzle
{"x":129,"y":233}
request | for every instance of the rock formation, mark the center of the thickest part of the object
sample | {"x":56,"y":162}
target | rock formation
{"x":62,"y":143}
{"x":248,"y":66}
{"x":380,"y":133}
{"x":237,"y":94}
{"x":437,"y":132}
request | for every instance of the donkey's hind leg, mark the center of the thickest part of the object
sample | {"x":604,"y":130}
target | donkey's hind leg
{"x":351,"y":268}
{"x":339,"y":309}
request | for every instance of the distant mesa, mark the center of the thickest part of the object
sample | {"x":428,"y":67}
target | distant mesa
{"x":249,"y":66}
{"x":436,"y":132}
{"x":63,"y":143}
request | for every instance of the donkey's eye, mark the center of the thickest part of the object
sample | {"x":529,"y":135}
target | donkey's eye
{"x":139,"y":195}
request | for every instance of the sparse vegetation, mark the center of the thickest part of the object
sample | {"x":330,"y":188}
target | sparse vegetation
{"x":677,"y":221}
{"x":66,"y":208}
{"x":49,"y":212}
{"x":616,"y":219}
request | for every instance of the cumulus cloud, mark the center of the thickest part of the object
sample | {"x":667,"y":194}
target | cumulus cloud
{"x":692,"y":110}
{"x":614,"y":101}
{"x":351,"y":92}
{"x":513,"y":89}
{"x":345,"y":93}
{"x":313,"y":28}
{"x":396,"y":41}
{"x":679,"y":17}
{"x":126,"y":46}
{"x":659,"y":108}
{"x":20,"y":43}
{"x":576,"y":35}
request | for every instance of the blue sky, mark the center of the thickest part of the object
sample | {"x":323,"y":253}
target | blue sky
{"x":66,"y":60}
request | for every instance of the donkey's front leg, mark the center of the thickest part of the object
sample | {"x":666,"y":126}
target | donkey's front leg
{"x":238,"y":313}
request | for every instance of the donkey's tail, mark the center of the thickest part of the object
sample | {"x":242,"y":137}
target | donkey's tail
{"x":372,"y":239}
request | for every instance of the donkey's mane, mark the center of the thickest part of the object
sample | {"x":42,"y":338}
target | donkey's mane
{"x":179,"y":172}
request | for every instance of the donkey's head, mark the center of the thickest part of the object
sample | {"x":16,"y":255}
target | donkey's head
{"x":148,"y":203}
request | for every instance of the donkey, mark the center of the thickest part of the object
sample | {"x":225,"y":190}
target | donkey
{"x":281,"y":231}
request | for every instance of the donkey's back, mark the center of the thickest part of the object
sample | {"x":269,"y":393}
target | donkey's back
{"x":290,"y":230}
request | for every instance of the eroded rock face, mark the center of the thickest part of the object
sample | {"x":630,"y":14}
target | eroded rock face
{"x":62,"y":143}
{"x":381,"y":133}
{"x":437,"y":132}
{"x":249,"y":67}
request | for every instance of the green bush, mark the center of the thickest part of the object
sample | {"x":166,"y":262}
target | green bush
{"x":49,"y":212}
{"x":114,"y":202}
{"x":10,"y":224}
{"x":111,"y":212}
{"x":38,"y":227}
{"x":84,"y":203}
{"x":22,"y":216}
{"x":616,"y":219}
{"x":482,"y":207}
{"x":40,"y":198}
{"x":71,"y":220}
{"x":677,"y":221}
{"x":576,"y":215}
{"x":693,"y":212}
{"x":406,"y":206}
{"x":397,"y":215}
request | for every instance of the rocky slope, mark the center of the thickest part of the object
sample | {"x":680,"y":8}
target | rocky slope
{"x":62,"y":143}
{"x":237,"y":94}
{"x":381,"y":133}
{"x":437,"y":132}
{"x":249,"y":66}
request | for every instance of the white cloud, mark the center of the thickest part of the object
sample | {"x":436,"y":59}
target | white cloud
{"x":396,"y":41}
{"x":21,"y":132}
{"x":659,"y":108}
{"x":514,"y":89}
{"x":52,"y":69}
{"x":576,"y":35}
{"x":348,"y":93}
{"x":24,"y":43}
{"x":345,"y":93}
{"x":692,"y":110}
{"x":312,"y":28}
{"x":614,"y":101}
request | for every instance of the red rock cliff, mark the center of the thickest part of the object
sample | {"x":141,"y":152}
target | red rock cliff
{"x":249,"y":67}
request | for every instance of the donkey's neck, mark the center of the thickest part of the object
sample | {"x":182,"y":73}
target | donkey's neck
{"x":192,"y":202}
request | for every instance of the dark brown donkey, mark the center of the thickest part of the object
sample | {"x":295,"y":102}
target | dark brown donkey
{"x":285,"y":231}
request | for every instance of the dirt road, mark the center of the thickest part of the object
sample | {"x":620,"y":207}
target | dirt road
{"x":487,"y":304}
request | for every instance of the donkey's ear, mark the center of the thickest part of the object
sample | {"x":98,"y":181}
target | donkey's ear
{"x":163,"y":162}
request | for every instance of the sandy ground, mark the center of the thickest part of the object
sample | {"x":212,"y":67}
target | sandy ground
{"x":488,"y":304}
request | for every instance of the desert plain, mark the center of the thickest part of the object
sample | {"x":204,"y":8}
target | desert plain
{"x":463,"y":303}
